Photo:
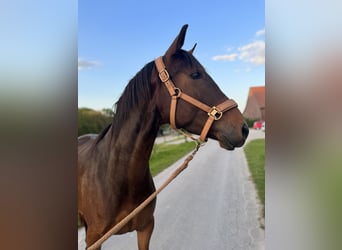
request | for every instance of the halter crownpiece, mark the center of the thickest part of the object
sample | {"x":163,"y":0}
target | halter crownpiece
{"x":214,"y":113}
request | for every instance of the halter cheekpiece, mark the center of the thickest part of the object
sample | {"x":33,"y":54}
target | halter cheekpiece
{"x":214,"y":113}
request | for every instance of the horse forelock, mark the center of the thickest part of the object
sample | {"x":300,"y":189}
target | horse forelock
{"x":186,"y":58}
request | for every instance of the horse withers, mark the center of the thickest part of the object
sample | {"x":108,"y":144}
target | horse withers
{"x":113,"y":167}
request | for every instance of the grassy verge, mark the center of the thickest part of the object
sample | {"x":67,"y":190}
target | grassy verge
{"x":255,"y":154}
{"x":163,"y":155}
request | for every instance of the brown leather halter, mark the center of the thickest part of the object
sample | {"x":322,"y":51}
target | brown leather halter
{"x":214,"y":113}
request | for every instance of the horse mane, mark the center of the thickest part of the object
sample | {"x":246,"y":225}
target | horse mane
{"x":137,"y":92}
{"x":102,"y":134}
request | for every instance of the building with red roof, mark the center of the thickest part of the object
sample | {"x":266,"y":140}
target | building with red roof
{"x":255,"y":107}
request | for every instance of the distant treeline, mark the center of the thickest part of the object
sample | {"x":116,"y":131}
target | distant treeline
{"x":91,"y":121}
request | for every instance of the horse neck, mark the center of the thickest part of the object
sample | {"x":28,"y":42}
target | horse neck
{"x":132,"y":146}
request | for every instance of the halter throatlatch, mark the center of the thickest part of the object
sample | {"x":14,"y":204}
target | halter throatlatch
{"x":214,"y":113}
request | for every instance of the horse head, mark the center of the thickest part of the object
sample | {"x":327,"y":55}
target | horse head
{"x":190,"y":81}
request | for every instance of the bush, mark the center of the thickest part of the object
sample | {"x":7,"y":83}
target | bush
{"x":250,"y":122}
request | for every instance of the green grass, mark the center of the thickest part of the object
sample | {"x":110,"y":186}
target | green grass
{"x":255,"y":154}
{"x":163,"y":155}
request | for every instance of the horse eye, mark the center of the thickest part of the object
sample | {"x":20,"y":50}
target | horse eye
{"x":196,"y":75}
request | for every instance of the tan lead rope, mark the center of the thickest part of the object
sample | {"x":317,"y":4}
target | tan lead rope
{"x":131,"y":215}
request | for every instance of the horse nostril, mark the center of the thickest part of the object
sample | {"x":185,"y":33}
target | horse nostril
{"x":245,"y":131}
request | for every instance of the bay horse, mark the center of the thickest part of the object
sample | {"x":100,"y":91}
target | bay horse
{"x":113,"y":167}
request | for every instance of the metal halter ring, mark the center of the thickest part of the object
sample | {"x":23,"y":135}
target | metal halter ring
{"x":215,"y":113}
{"x":178,"y":92}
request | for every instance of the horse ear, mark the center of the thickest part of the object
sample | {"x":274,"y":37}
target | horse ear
{"x":193,"y":48}
{"x":177,"y":43}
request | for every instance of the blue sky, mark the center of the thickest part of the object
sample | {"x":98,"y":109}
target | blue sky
{"x":117,"y":38}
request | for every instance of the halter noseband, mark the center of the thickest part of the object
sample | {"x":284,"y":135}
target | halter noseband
{"x":214,"y":113}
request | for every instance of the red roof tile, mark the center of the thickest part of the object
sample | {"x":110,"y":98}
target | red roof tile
{"x":259,"y":95}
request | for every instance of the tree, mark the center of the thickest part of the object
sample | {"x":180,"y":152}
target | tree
{"x":108,"y":112}
{"x":91,"y":121}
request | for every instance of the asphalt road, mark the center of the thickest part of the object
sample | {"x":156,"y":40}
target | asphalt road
{"x":211,"y":205}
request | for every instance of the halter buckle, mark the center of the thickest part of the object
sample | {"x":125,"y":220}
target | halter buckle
{"x":215,"y":113}
{"x":164,"y":75}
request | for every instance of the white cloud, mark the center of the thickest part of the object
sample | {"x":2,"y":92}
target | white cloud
{"x":230,"y":57}
{"x":253,"y":52}
{"x":86,"y":64}
{"x":260,"y":32}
